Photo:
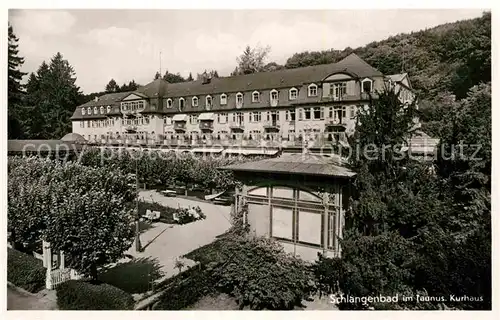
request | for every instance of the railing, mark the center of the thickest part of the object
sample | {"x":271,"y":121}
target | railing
{"x":271,"y":125}
{"x":56,"y":277}
{"x":350,"y":97}
{"x":336,"y":121}
{"x":236,"y":125}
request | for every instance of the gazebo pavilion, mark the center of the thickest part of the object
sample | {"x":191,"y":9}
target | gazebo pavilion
{"x":298,"y":199}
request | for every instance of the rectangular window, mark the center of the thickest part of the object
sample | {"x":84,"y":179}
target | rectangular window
{"x":223,"y":100}
{"x":193,"y":119}
{"x":307,"y":114}
{"x":301,"y":114}
{"x":282,"y":192}
{"x":239,"y":99}
{"x":313,"y":90}
{"x":293,"y":94}
{"x":256,"y":116}
{"x":274,"y":95}
{"x":353,"y":112}
{"x":317,"y":113}
{"x":332,"y":89}
{"x":282,"y":223}
{"x":255,"y":97}
{"x":310,"y":227}
{"x":340,"y":89}
{"x":222,"y":118}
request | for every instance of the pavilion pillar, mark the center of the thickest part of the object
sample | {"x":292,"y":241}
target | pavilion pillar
{"x":325,"y":222}
{"x":61,"y":265}
{"x":47,"y":254}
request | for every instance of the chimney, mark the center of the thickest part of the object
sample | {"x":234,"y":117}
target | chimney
{"x":96,"y":99}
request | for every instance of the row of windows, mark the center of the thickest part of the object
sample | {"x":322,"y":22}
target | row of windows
{"x":256,"y":97}
{"x":133,"y":105}
{"x":136,"y":121}
{"x":314,"y":113}
{"x":97,"y":123}
{"x":96,"y":110}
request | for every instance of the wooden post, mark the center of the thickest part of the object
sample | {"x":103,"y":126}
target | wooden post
{"x":47,"y":255}
{"x":48,"y":279}
{"x":61,"y":265}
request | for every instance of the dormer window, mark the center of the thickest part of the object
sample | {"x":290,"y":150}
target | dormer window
{"x":223,"y":99}
{"x":169,"y":103}
{"x":208,"y":102}
{"x":89,"y":110}
{"x":95,"y":110}
{"x":181,"y":103}
{"x":367,"y":85}
{"x":274,"y":94}
{"x":83,"y":111}
{"x":108,"y":109}
{"x":239,"y":100}
{"x":293,"y":94}
{"x":194,"y":102}
{"x":102,"y":110}
{"x":312,"y":90}
{"x":255,"y":96}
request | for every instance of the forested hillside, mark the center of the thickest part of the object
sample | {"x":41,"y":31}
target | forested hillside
{"x":451,"y":57}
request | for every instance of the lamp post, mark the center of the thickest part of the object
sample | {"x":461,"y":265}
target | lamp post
{"x":138,"y":246}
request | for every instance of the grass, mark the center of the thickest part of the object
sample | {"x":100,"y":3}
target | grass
{"x":135,"y":276}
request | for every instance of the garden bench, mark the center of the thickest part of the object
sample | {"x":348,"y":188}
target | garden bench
{"x":152,"y":215}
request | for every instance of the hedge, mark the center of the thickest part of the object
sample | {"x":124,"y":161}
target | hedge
{"x":25,"y":271}
{"x":186,"y":289}
{"x":84,"y":295}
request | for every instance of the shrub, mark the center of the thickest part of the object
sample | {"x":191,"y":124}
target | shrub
{"x":186,"y":289}
{"x":189,"y":215}
{"x":83,"y":295}
{"x":25,"y":271}
{"x":257,"y":272}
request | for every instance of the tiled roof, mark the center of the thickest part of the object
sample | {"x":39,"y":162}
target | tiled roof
{"x":273,"y":79}
{"x":285,"y":78}
{"x":109,"y":99}
{"x":296,"y":163}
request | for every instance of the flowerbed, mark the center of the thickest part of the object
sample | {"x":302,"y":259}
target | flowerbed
{"x":172,"y":215}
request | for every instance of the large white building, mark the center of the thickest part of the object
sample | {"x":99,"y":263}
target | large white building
{"x":314,"y":105}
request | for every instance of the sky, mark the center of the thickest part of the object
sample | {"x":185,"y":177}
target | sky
{"x":126,"y":44}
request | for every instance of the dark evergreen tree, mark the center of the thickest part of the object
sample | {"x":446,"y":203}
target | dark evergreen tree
{"x":157,"y":75}
{"x":112,"y":86}
{"x":51,"y":96}
{"x":173,"y":78}
{"x":15,"y":89}
{"x":190,"y":78}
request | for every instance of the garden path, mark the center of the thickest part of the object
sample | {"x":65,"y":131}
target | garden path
{"x":167,"y":243}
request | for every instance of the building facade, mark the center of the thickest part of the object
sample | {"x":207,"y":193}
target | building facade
{"x":314,"y":105}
